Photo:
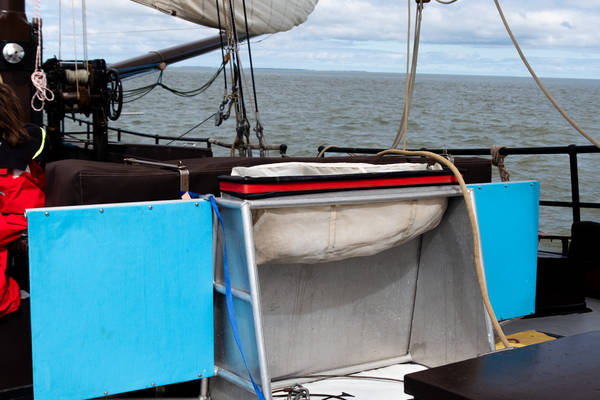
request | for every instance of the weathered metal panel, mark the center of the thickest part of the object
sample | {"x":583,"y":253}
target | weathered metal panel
{"x":121,"y":297}
{"x":449,"y":321}
{"x":320,"y":317}
{"x":340,"y":316}
{"x":508,"y":224}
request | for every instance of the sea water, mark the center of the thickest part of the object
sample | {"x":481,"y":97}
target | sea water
{"x":305,"y":109}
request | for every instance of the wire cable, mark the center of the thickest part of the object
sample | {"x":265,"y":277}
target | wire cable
{"x":222,"y":44}
{"x":191,"y":129}
{"x":132,"y":95}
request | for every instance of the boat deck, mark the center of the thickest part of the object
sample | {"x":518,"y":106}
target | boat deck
{"x":557,"y":369}
{"x":366,"y":388}
{"x":559,"y":325}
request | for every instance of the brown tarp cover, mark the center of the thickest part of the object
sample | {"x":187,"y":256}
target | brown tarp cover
{"x":78,"y":182}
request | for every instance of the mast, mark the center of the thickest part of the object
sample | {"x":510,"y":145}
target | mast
{"x":18,"y":40}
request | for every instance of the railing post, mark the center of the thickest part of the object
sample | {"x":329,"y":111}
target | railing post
{"x":156,"y":139}
{"x":118,"y":134}
{"x":574,"y":183}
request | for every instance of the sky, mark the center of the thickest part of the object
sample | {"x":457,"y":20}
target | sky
{"x":560,"y":38}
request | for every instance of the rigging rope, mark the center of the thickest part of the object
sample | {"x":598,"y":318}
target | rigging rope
{"x":222,"y":46}
{"x":60,"y":29}
{"x":75,"y":46}
{"x":84,"y":29}
{"x":410,"y":77}
{"x":539,"y":83}
{"x":235,"y":98}
{"x":243,"y":126}
{"x":498,"y":161}
{"x":407,"y":83}
{"x":38,"y":77}
{"x":258,"y":129}
{"x":474,"y":229}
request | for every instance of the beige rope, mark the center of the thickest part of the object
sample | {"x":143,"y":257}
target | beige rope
{"x":498,"y":161}
{"x":325,"y":149}
{"x":541,"y":86}
{"x":401,"y":135}
{"x":403,"y":127}
{"x":476,"y":240}
{"x":75,"y":47}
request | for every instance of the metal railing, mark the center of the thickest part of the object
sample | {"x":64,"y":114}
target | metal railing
{"x":120,"y":131}
{"x":571,"y":150}
{"x":281,"y":148}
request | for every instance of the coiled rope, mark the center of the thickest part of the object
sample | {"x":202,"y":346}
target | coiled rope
{"x":498,"y":161}
{"x":38,"y":77}
{"x":474,"y":228}
{"x":539,"y":83}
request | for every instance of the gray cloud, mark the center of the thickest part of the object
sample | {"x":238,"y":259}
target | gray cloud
{"x":362,"y":35}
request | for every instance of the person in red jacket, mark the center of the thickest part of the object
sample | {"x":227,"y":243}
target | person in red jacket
{"x":22,"y":183}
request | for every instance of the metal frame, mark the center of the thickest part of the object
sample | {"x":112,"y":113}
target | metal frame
{"x":237,"y":215}
{"x":184,"y":172}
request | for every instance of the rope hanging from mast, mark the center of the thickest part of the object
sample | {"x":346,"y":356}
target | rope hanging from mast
{"x":222,"y":46}
{"x":410,"y":75}
{"x":242,"y":124}
{"x":539,"y":83}
{"x":84,"y":32}
{"x":38,"y":77}
{"x":258,"y":129}
{"x":234,"y":97}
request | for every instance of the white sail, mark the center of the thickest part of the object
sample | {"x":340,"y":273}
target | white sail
{"x":264,"y":16}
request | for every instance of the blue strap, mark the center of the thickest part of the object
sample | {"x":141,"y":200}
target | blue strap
{"x":229,"y":301}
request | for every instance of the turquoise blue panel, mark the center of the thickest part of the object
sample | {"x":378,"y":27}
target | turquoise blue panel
{"x":121,"y":297}
{"x":508,"y":223}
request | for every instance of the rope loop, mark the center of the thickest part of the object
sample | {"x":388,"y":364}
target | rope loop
{"x":298,"y":392}
{"x":38,"y":77}
{"x":42,"y":93}
{"x":498,"y":161}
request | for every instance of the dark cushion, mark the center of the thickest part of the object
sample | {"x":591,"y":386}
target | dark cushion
{"x":77,"y":182}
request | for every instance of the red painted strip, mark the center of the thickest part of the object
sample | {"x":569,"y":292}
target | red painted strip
{"x":249,"y":188}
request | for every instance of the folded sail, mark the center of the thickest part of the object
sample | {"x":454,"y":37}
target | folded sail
{"x":264,"y":16}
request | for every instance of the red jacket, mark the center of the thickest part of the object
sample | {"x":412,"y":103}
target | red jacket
{"x":19,"y":190}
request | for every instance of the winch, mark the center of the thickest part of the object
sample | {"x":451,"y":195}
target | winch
{"x":87,"y":87}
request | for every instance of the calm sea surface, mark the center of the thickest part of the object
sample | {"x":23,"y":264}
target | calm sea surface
{"x":305,"y":109}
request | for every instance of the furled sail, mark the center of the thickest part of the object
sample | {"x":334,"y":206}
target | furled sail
{"x":316,"y":234}
{"x":264,"y":16}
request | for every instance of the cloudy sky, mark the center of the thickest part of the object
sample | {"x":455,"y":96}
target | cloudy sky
{"x":561,"y":38}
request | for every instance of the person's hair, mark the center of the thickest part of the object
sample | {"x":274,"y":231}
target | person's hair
{"x":11,"y":123}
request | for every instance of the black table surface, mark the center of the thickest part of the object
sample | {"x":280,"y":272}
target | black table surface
{"x":566,"y":368}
